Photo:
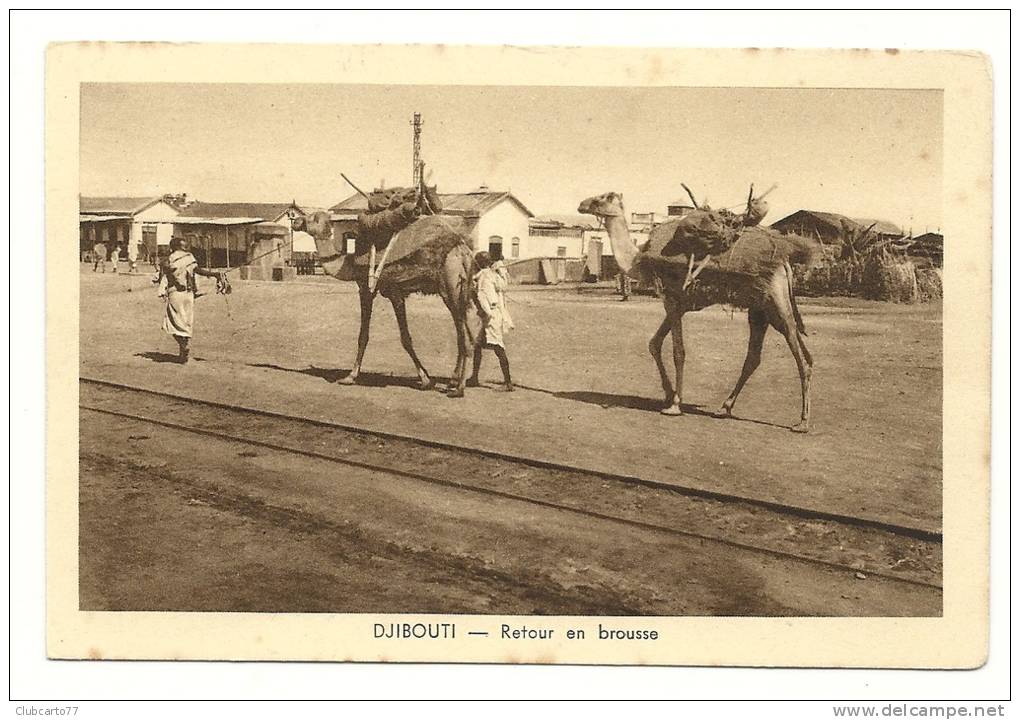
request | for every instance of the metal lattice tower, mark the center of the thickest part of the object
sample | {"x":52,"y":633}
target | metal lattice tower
{"x":416,"y":124}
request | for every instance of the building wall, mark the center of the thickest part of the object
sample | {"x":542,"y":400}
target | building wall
{"x":211,"y":242}
{"x":506,"y":221}
{"x":160,"y":216}
{"x":640,"y":237}
{"x":548,"y":244}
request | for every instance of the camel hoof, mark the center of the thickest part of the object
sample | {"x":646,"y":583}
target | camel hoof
{"x":725,"y":411}
{"x":426,"y":384}
{"x":672,"y":410}
{"x":456,"y":393}
{"x":801,"y":427}
{"x":472,"y":383}
{"x":348,"y":380}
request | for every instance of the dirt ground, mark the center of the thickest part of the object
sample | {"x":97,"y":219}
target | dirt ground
{"x":589,"y":391}
{"x":174,"y":521}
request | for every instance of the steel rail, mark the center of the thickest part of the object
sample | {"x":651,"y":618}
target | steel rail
{"x":688,"y":490}
{"x":443,"y":482}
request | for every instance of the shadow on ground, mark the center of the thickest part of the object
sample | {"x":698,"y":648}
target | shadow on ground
{"x":603,"y":400}
{"x":634,"y":402}
{"x":367,"y":379}
{"x":162,"y":357}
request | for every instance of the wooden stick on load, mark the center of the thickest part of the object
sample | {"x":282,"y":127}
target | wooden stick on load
{"x":371,"y":268}
{"x":375,"y":271}
{"x":360,"y":191}
{"x":689,"y":193}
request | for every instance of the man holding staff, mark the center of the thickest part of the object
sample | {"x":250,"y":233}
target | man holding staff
{"x":177,"y":286}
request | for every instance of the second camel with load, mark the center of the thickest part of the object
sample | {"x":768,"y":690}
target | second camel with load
{"x":398,"y":252}
{"x":740,"y":265}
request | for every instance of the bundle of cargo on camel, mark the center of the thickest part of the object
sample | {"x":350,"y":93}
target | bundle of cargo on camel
{"x":722,"y":248}
{"x":403,"y":246}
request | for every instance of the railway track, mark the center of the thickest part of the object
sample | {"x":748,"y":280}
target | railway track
{"x":859,"y":546}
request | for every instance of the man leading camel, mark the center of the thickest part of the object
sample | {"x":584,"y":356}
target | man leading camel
{"x":489,"y":297}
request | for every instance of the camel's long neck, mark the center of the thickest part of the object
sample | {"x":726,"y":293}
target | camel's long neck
{"x":624,"y":249}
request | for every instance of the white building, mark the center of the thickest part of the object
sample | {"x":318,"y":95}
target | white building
{"x":127,"y":222}
{"x":498,"y":221}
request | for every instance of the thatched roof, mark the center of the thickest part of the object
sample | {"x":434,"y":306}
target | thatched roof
{"x":834,"y":222}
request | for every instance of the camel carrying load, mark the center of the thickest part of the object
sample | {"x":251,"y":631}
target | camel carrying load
{"x":402,"y":249}
{"x":741,"y":265}
{"x":401,"y":236}
{"x":723,"y":247}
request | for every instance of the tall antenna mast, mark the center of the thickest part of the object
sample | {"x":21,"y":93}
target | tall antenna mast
{"x":416,"y":124}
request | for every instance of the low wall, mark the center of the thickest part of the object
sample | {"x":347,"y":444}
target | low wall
{"x":259,"y":272}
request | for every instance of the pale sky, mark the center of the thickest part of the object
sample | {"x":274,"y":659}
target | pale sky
{"x":863,"y":153}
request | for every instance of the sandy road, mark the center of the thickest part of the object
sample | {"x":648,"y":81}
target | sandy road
{"x":174,"y":520}
{"x":589,"y":392}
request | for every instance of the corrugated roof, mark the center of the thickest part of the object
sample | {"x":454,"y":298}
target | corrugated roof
{"x":115,"y":205}
{"x":588,"y":222}
{"x":194,"y":220}
{"x":102,"y":218}
{"x":262,"y":211}
{"x":470,"y":204}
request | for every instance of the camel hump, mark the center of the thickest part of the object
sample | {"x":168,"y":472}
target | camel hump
{"x":660,"y":239}
{"x":439,"y":233}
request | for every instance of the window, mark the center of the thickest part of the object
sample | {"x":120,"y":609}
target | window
{"x":515,"y":247}
{"x":561,"y":251}
{"x":349,"y":243}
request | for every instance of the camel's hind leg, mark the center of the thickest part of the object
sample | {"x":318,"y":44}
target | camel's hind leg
{"x":655,"y":348}
{"x":457,"y":382}
{"x":456,"y":291}
{"x":366,"y":297}
{"x":759,"y":325}
{"x":400,"y":311}
{"x":783,"y":317}
{"x":675,"y":319}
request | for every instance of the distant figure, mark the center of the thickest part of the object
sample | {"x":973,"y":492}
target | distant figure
{"x":177,"y":286}
{"x":98,"y":257}
{"x":115,"y":258}
{"x":490,"y":286}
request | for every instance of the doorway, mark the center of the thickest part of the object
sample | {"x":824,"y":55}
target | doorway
{"x":495,"y":247}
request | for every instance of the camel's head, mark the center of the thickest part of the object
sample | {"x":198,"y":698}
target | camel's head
{"x":609,"y":204}
{"x":318,"y":225}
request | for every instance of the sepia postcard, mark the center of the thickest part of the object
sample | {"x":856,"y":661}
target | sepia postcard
{"x":518,"y":355}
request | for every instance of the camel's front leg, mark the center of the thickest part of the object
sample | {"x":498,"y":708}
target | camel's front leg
{"x":655,"y":348}
{"x":759,"y":325}
{"x":366,"y":297}
{"x":400,"y":310}
{"x":675,"y":317}
{"x":804,"y":369}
